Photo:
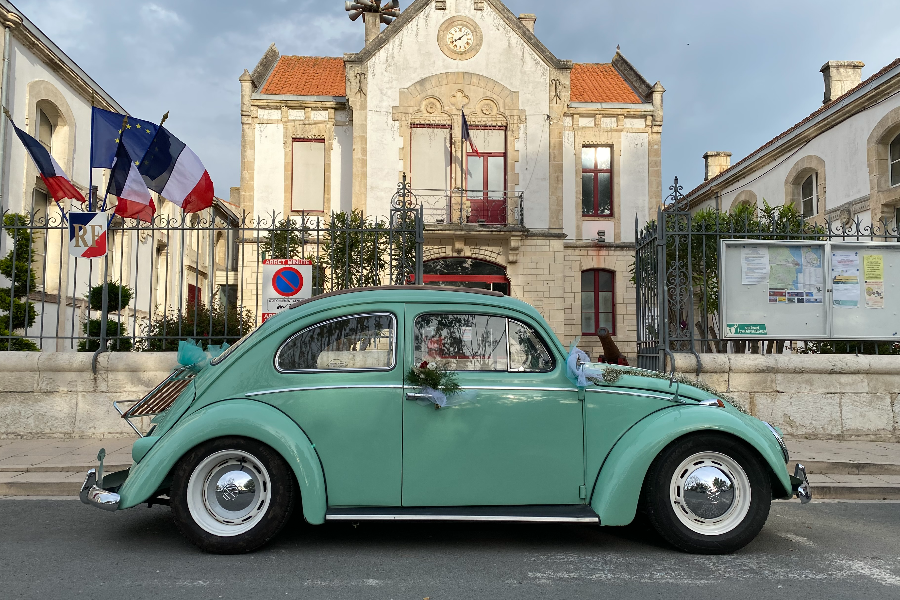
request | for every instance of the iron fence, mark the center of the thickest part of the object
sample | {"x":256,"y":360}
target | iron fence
{"x":676,"y":274}
{"x":180,"y":277}
{"x":480,"y":207}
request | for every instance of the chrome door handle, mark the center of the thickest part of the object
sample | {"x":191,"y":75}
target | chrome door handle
{"x":416,"y":396}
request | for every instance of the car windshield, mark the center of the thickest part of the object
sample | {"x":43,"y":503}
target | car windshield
{"x":230,"y":350}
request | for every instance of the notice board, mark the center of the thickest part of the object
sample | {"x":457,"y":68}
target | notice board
{"x":809,"y":290}
{"x":867,"y":307}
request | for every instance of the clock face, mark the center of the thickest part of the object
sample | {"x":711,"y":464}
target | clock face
{"x":460,"y":38}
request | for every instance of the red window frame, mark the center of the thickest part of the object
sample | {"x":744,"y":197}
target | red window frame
{"x":484,"y":171}
{"x":596,"y":173}
{"x":438,"y":279}
{"x":487,"y":208}
{"x":596,"y":292}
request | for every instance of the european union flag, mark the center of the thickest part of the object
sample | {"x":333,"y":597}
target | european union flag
{"x":105,"y":137}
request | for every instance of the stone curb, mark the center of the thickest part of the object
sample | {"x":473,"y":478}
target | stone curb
{"x":821,"y":467}
{"x":108,"y":468}
{"x":40,"y":488}
{"x":854,"y":492}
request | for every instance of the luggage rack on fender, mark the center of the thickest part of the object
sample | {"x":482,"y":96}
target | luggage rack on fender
{"x":158,"y":399}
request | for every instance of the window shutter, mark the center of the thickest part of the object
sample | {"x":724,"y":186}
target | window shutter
{"x":430,"y":158}
{"x":308,"y":183}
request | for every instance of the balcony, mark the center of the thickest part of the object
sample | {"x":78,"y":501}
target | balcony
{"x":471,"y":207}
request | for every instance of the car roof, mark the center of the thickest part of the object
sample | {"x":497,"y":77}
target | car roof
{"x":405,"y":294}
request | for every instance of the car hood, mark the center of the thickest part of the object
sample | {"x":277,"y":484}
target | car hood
{"x":616,"y":376}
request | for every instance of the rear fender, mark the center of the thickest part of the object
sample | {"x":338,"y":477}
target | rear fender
{"x":617,"y":488}
{"x":241,"y":417}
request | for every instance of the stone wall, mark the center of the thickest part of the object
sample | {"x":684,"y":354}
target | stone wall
{"x":824,"y":396}
{"x":55,"y":394}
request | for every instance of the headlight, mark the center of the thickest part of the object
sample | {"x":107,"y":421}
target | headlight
{"x":784,"y":450}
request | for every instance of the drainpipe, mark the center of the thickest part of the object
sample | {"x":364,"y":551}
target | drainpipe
{"x":9,"y":20}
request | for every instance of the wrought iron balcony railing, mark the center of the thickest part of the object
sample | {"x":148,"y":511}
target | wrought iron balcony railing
{"x":478,"y":207}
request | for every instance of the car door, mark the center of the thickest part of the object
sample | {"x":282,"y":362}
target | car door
{"x":513,"y":436}
{"x":340,"y":379}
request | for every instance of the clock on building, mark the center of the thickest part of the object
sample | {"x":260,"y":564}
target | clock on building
{"x":459,"y":38}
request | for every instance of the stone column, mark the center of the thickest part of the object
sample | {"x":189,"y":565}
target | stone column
{"x":559,"y":100}
{"x":356,"y":96}
{"x":248,"y":144}
{"x":655,"y":150}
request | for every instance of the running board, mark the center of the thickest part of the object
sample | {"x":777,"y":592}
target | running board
{"x":531,"y":514}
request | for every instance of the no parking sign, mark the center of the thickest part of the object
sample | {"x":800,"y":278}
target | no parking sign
{"x":285,"y":280}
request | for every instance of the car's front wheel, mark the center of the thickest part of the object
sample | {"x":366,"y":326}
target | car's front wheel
{"x":708,"y":493}
{"x":231,"y":495}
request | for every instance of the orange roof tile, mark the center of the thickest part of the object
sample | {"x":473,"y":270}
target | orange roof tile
{"x":600,"y":83}
{"x":307,"y":76}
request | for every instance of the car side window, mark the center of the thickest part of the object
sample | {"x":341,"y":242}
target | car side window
{"x":527,"y":351}
{"x":462,"y":342}
{"x":352,"y":343}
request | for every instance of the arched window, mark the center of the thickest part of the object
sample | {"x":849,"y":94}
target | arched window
{"x":808,"y":196}
{"x":466,"y":272}
{"x":45,"y":130}
{"x":598,"y":309}
{"x":895,"y":161}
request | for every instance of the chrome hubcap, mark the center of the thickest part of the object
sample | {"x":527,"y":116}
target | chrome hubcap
{"x":228,"y":492}
{"x":710,"y":493}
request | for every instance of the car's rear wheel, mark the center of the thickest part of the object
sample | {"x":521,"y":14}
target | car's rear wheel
{"x":232,"y":495}
{"x":708,"y":494}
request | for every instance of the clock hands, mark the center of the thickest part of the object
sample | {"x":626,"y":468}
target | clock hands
{"x":460,"y":37}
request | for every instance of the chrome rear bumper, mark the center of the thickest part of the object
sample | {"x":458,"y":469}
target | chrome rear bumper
{"x":95,"y":496}
{"x":800,"y":483}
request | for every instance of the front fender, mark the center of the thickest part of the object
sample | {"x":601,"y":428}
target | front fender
{"x":242,"y":417}
{"x":617,"y":488}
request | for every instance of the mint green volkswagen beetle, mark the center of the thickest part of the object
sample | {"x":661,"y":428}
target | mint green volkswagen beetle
{"x":315,"y":410}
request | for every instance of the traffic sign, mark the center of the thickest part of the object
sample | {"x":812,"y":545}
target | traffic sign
{"x":285,"y":281}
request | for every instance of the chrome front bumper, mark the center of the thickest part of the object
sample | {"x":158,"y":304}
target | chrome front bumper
{"x":95,"y":496}
{"x":800,"y":483}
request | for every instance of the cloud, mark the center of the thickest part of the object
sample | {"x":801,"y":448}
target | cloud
{"x":736,"y":75}
{"x":157,"y":15}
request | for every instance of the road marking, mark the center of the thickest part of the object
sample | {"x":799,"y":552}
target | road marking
{"x":799,"y":539}
{"x":869,"y":570}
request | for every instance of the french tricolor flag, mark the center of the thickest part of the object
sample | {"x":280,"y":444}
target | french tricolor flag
{"x":59,"y":186}
{"x":173,"y":171}
{"x":126,"y":183}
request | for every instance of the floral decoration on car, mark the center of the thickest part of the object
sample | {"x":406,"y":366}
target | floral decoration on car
{"x":434,"y":381}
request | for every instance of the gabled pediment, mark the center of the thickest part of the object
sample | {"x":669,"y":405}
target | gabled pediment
{"x":497,"y":6}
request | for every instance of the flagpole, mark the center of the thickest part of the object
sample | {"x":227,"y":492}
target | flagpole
{"x":121,"y":141}
{"x":91,"y":161}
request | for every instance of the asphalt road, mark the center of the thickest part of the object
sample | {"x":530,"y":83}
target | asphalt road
{"x":63,"y":549}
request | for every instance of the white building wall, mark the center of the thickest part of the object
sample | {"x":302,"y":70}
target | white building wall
{"x":634,"y":190}
{"x":413,"y":54}
{"x":342,"y":169}
{"x":268,"y":193}
{"x":25,"y":67}
{"x":843,"y":148}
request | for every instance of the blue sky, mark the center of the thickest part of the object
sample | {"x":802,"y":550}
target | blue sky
{"x":736,"y":74}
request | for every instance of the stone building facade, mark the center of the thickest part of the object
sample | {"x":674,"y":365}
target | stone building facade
{"x":840,"y":164}
{"x":567,"y":161}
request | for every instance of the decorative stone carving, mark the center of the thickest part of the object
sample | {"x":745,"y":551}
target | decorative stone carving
{"x":459,"y":99}
{"x":487,"y":107}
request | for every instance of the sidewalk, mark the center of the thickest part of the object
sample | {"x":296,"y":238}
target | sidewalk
{"x":837,"y":470}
